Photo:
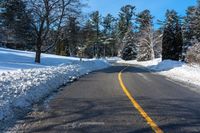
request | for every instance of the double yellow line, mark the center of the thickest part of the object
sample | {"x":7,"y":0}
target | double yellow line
{"x":153,"y":125}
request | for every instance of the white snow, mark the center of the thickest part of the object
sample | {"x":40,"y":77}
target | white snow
{"x":142,"y":63}
{"x":179,"y":71}
{"x":175,"y":70}
{"x":23,"y":82}
{"x":113,"y":59}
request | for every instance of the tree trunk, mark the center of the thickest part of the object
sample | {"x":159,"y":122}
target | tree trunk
{"x":104,"y":51}
{"x":112,"y":51}
{"x":94,"y":51}
{"x":152,"y":52}
{"x":38,"y":51}
{"x":37,"y":56}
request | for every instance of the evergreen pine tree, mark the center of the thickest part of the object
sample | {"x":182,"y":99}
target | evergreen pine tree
{"x":96,"y":20}
{"x":125,"y":19}
{"x":88,"y":35}
{"x":167,"y":43}
{"x":125,"y":24}
{"x":172,"y":37}
{"x":158,"y":43}
{"x":191,"y":27}
{"x":108,"y":35}
{"x":146,"y":37}
{"x":129,"y":51}
{"x":189,"y":23}
{"x":178,"y":42}
{"x":196,"y":22}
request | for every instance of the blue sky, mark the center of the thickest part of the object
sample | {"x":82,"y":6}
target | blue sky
{"x":157,"y":7}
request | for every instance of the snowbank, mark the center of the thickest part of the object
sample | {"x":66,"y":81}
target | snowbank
{"x":113,"y":59}
{"x":142,"y":63}
{"x":172,"y":69}
{"x":179,"y":71}
{"x":22,"y":82}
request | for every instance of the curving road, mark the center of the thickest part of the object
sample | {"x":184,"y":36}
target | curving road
{"x":97,"y":103}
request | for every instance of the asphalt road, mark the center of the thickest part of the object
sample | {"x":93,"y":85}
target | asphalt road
{"x":96,"y":103}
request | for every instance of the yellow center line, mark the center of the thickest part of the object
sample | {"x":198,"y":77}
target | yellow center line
{"x":149,"y":121}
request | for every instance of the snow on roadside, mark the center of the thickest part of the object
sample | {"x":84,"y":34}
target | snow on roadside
{"x":142,"y":63}
{"x":113,"y":59}
{"x":179,"y":71}
{"x":20,"y":88}
{"x":173,"y":69}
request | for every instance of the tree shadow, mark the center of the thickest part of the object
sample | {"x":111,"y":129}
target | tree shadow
{"x":131,"y":68}
{"x":80,"y":115}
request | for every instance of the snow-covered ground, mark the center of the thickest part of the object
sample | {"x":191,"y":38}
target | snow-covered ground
{"x":113,"y":59}
{"x":23,"y":82}
{"x":173,"y":69}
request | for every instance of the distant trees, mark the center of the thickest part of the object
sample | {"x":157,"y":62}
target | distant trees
{"x":99,"y":42}
{"x":172,"y":37}
{"x":58,"y":26}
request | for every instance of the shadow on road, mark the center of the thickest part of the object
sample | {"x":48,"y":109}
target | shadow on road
{"x":96,"y":116}
{"x":174,"y":115}
{"x":83,"y":115}
{"x":133,"y":69}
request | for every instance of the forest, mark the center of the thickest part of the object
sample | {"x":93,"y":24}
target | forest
{"x":61,"y":27}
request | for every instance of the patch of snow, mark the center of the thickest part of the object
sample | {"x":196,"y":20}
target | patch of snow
{"x":23,"y":82}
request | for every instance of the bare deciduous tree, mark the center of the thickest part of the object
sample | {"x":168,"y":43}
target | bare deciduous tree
{"x":48,"y":16}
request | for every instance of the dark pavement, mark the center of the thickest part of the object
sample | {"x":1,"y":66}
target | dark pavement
{"x":97,"y":104}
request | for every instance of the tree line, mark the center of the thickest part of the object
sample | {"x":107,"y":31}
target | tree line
{"x":60,"y":27}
